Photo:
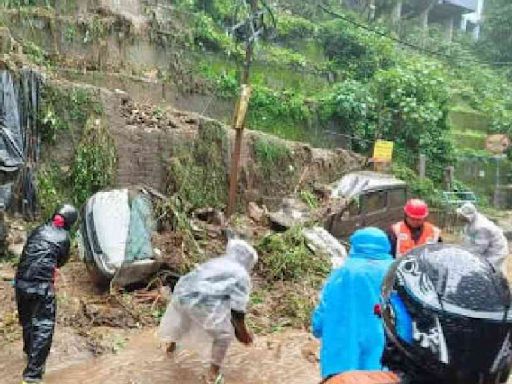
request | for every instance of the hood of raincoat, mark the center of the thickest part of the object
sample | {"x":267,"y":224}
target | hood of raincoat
{"x":370,"y":243}
{"x":468,"y":210}
{"x":352,"y":335}
{"x":204,"y":298}
{"x":242,"y":253}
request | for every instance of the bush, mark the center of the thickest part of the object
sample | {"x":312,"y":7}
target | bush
{"x":285,"y":256}
{"x":95,"y":161}
{"x":352,"y":106}
{"x":362,"y":52}
{"x":198,"y":171}
{"x":412,"y":109}
{"x":418,"y":188}
{"x":294,"y":27}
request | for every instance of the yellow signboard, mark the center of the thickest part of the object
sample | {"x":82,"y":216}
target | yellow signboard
{"x":383,"y":151}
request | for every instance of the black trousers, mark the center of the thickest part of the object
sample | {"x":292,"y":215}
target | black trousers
{"x":36,"y":311}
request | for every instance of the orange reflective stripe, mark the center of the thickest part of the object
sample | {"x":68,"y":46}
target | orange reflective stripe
{"x":404,"y":241}
{"x":359,"y":377}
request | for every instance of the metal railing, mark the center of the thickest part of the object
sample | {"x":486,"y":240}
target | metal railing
{"x":456,"y":199}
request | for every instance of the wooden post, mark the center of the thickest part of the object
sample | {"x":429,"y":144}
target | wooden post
{"x":238,"y":124}
{"x":449,"y":178}
{"x":422,"y":166}
{"x":239,"y":120}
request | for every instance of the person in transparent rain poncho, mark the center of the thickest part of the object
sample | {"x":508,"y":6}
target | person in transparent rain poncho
{"x":209,"y":305}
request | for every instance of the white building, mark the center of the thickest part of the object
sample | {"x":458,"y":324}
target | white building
{"x":471,"y":22}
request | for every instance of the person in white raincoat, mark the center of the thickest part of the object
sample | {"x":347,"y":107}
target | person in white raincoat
{"x":209,"y":304}
{"x":483,"y":237}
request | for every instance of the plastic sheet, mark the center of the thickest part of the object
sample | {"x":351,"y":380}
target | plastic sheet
{"x":200,"y":311}
{"x":142,"y":225}
{"x":6,"y":195}
{"x":354,"y":183}
{"x":321,"y":240}
{"x":11,"y":137}
{"x":111,"y":214}
{"x":483,"y":237}
{"x":20,"y":137}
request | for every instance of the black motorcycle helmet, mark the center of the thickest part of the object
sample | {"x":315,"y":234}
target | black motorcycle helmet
{"x":69,"y":213}
{"x":447,"y":318}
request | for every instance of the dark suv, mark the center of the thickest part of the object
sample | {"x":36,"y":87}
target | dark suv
{"x":369,"y":199}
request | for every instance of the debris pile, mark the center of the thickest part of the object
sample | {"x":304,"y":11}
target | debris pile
{"x":147,"y":116}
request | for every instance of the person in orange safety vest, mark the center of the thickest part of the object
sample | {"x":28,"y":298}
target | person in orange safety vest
{"x":414,"y":230}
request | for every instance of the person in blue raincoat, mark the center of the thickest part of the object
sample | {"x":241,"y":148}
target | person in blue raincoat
{"x":351,"y":334}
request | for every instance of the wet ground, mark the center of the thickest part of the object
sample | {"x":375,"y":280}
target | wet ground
{"x":130,"y":353}
{"x":133,"y":355}
{"x":282,"y":358}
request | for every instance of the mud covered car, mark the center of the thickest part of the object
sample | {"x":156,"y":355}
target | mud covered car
{"x":116,"y":236}
{"x":357,"y":200}
{"x":366,"y":199}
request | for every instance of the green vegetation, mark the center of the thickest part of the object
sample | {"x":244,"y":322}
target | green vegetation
{"x":198,"y":171}
{"x":23,"y":3}
{"x":292,"y":276}
{"x":496,"y":42}
{"x":314,"y":72}
{"x":375,"y":89}
{"x":75,"y":113}
{"x":95,"y":161}
{"x":52,"y":188}
{"x":66,"y":109}
{"x":285,"y":256}
{"x":309,"y":198}
{"x":421,"y":188}
{"x":270,"y":154}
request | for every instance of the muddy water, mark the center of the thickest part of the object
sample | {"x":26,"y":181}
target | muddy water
{"x":284,"y":358}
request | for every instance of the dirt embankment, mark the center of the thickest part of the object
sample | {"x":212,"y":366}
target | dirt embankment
{"x":173,"y":150}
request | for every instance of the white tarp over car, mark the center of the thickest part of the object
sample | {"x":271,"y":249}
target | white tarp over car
{"x":116,"y":236}
{"x":354,"y":183}
{"x":111,"y":213}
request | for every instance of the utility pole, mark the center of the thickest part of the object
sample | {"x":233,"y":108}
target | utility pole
{"x":241,"y":109}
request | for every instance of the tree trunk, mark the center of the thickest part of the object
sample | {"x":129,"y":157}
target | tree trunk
{"x":396,"y":13}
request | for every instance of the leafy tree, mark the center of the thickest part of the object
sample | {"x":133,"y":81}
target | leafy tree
{"x":359,"y":51}
{"x":496,"y":39}
{"x":412,"y":108}
{"x":352,"y":107}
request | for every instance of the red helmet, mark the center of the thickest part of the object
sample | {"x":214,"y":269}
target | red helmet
{"x":416,"y":209}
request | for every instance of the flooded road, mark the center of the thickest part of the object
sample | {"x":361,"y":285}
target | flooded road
{"x":285,"y":358}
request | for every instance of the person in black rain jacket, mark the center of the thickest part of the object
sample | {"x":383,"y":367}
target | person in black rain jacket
{"x":46,"y":250}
